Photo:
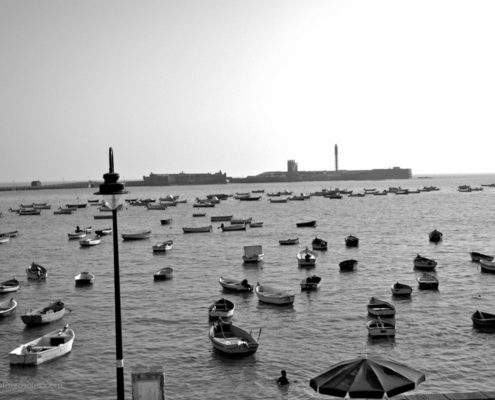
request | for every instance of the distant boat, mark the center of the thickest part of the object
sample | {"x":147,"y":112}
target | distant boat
{"x":137,"y":235}
{"x":255,"y":224}
{"x":238,"y":221}
{"x":351,"y":241}
{"x":487,"y":266}
{"x":232,"y":340}
{"x":319,"y":244}
{"x":435,"y":236}
{"x":48,"y":347}
{"x":199,"y":205}
{"x":400,"y":289}
{"x":278,"y":200}
{"x":221,"y":218}
{"x":483,"y":319}
{"x":29,"y":212}
{"x":306,"y":258}
{"x":156,"y":206}
{"x":76,"y":235}
{"x":253,"y":254}
{"x":7,"y":307}
{"x":90,"y":241}
{"x":103,"y":216}
{"x":306,"y":224}
{"x":167,"y":221}
{"x":311,"y":283}
{"x":267,"y":294}
{"x":348,"y":265}
{"x":226,"y":228}
{"x":84,"y":278}
{"x":235,"y":285}
{"x":36,"y":271}
{"x":380,"y":328}
{"x":164,"y":246}
{"x":199,"y":215}
{"x":475,"y":256}
{"x":87,"y":229}
{"x":423,"y":263}
{"x":163,"y":274}
{"x":63,"y":212}
{"x":103,"y":232}
{"x":250,"y":198}
{"x":289,"y":242}
{"x":428,"y":282}
{"x":222,"y":308}
{"x":200,"y":229}
{"x":380,"y":308}
{"x":45,"y":315}
{"x":10,"y":234}
{"x":11,"y":285}
{"x":4,"y":240}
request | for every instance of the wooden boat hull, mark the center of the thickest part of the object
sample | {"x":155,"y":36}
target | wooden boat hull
{"x":379,"y":308}
{"x":311,"y":283}
{"x":203,"y":229}
{"x":380,"y":329}
{"x":163,"y":274}
{"x":222,"y":308}
{"x":39,"y":351}
{"x":221,"y":218}
{"x":40,"y":317}
{"x":351,"y":241}
{"x":487,"y":266}
{"x":233,"y":228}
{"x":84,"y":278}
{"x":348,"y":265}
{"x":89,"y":242}
{"x":399,"y":289}
{"x":136,"y":236}
{"x":428,"y":283}
{"x":309,"y":224}
{"x":232,"y":341}
{"x":255,"y":258}
{"x":483,"y":319}
{"x":240,"y":221}
{"x":36,"y":271}
{"x":289,"y":242}
{"x":9,"y":286}
{"x":425,"y":265}
{"x":475,"y":256}
{"x":10,"y":234}
{"x":235,"y":285}
{"x":273,"y":296}
{"x":306,"y":258}
{"x":163,"y":247}
{"x":7,"y":308}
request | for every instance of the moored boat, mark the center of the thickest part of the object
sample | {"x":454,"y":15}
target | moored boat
{"x":435,"y":236}
{"x":253,"y":254}
{"x":311,"y":283}
{"x":45,"y":315}
{"x":475,"y":256}
{"x":226,"y":228}
{"x":319,"y":244}
{"x":487,"y":266}
{"x":163,"y":274}
{"x":288,"y":242}
{"x":255,"y":224}
{"x":306,"y":224}
{"x":235,"y":285}
{"x":84,"y":278}
{"x":4,"y":240}
{"x":348,"y":265}
{"x":427,"y":281}
{"x":278,"y":200}
{"x":136,"y":235}
{"x":351,"y":241}
{"x":167,"y":221}
{"x":268,"y":294}
{"x":232,"y":340}
{"x":199,"y":215}
{"x":76,"y":235}
{"x":222,"y":308}
{"x":199,"y":229}
{"x":10,"y":234}
{"x":380,"y":328}
{"x":423,"y":263}
{"x":483,"y":319}
{"x":11,"y":285}
{"x":306,"y":258}
{"x":87,"y":229}
{"x":400,"y":289}
{"x":200,"y":205}
{"x":90,"y":241}
{"x":221,"y":218}
{"x":36,"y":271}
{"x":380,"y":308}
{"x":103,"y":232}
{"x":7,"y":307}
{"x":156,"y":206}
{"x":163,"y":246}
{"x":50,"y":346}
{"x":239,"y":221}
{"x":29,"y":211}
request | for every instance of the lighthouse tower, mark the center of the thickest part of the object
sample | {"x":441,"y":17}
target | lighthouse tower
{"x":336,"y":158}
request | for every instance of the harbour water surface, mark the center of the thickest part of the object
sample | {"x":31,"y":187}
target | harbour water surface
{"x":166,"y":323}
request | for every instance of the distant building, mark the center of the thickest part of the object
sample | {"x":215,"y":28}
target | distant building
{"x":291,"y":166}
{"x":35,"y":183}
{"x":184,"y":179}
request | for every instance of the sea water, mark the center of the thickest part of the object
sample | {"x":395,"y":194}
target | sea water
{"x":165,"y":323}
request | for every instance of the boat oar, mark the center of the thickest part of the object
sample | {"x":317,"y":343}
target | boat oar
{"x":259,"y":334}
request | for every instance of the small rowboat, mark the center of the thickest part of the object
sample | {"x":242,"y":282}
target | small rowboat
{"x":45,"y":315}
{"x":163,"y":274}
{"x":435,"y":236}
{"x":249,"y":198}
{"x":103,"y":232}
{"x":348,"y":265}
{"x":29,"y":212}
{"x":380,"y":308}
{"x":309,"y":224}
{"x":4,"y":240}
{"x":399,"y":289}
{"x":36,"y":271}
{"x":156,"y":206}
{"x":487,"y":266}
{"x":203,"y":205}
{"x":483,"y":319}
{"x":88,"y":229}
{"x":137,"y":235}
{"x":222,"y":308}
{"x":11,"y":285}
{"x":319,"y":244}
{"x":351,"y":241}
{"x":10,"y":234}
{"x":166,"y":221}
{"x":232,"y":340}
{"x":199,"y":215}
{"x":241,"y":221}
{"x":311,"y":283}
{"x":255,"y":224}
{"x":7,"y":307}
{"x":164,"y":246}
{"x":199,"y":229}
{"x":232,"y":228}
{"x":475,"y":256}
{"x":278,"y":200}
{"x":90,"y":241}
{"x":289,"y":242}
{"x":306,"y":258}
{"x":267,"y":294}
{"x":50,"y":346}
{"x":84,"y":278}
{"x":424,"y":263}
{"x":379,"y":328}
{"x":221,"y":218}
{"x":427,"y":281}
{"x":78,"y":235}
{"x":235,"y":285}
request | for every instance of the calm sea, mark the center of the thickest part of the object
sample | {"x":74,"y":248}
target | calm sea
{"x":166,"y":323}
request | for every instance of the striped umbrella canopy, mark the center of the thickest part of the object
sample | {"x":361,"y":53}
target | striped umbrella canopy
{"x":363,"y":377}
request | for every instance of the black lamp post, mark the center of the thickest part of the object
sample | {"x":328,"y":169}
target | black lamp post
{"x":112,"y":192}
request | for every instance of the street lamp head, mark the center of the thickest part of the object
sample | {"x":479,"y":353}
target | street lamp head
{"x":112,"y":190}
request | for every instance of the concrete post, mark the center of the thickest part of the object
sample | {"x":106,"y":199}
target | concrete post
{"x":148,"y":383}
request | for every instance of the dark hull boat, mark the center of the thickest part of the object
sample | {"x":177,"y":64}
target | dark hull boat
{"x":475,"y":256}
{"x":348,"y":265}
{"x":351,"y":241}
{"x":428,"y":282}
{"x":289,"y":242}
{"x":483,"y":319}
{"x":309,"y":224}
{"x":435,"y":236}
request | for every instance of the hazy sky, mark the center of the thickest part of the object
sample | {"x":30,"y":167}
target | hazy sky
{"x":244,"y":86}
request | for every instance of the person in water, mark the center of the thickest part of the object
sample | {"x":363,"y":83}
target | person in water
{"x":283,"y":379}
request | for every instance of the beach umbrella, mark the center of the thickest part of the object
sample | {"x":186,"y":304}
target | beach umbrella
{"x":363,"y":377}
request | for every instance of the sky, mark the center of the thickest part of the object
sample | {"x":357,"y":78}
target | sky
{"x":241,"y":87}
